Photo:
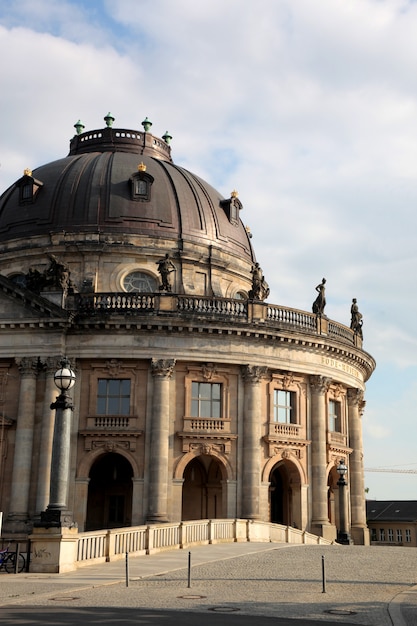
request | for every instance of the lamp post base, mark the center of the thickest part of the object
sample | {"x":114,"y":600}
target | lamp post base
{"x":56,"y":518}
{"x":343,"y":538}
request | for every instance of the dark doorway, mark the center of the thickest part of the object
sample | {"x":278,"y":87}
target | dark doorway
{"x":202,"y":489}
{"x":109,"y":493}
{"x":280,"y":496}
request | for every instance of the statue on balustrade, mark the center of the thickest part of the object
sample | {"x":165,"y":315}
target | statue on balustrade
{"x":165,"y":267}
{"x":320,"y":302}
{"x":260,"y":288}
{"x":356,"y":321}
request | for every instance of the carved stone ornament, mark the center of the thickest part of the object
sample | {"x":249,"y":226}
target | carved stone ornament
{"x":287,"y":380}
{"x":320,"y":384}
{"x":28,"y":366}
{"x":162,"y":368}
{"x":113,"y":367}
{"x":338,"y":390}
{"x":254,"y":373}
{"x":208,"y":371}
{"x":355,"y":397}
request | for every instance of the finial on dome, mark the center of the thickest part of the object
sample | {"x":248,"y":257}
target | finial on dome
{"x":234,"y":194}
{"x":27,"y":171}
{"x":167,"y":137}
{"x":142,"y":167}
{"x":146,"y":124}
{"x":109,"y":119}
{"x":79,"y":127}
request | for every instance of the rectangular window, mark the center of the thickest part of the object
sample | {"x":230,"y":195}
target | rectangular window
{"x":399,"y":535}
{"x":334,"y":416}
{"x":408,"y":535}
{"x":284,"y":406}
{"x":113,"y":396}
{"x":382,"y":534}
{"x":390,"y":535}
{"x":373,"y":534}
{"x":206,"y":400}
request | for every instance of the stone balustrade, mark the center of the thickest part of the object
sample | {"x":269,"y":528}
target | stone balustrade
{"x":200,"y":308}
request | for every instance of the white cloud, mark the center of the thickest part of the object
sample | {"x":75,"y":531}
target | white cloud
{"x":308,"y":109}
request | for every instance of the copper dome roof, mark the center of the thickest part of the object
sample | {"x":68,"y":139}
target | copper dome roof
{"x":97,"y":188}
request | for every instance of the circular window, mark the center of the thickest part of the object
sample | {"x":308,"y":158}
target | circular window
{"x":139,"y":281}
{"x":18,"y":279}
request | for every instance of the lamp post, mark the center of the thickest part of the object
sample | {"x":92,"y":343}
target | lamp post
{"x":56,"y":513}
{"x":342,"y":534}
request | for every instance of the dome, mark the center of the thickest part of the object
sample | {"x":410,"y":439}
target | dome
{"x":117,"y":181}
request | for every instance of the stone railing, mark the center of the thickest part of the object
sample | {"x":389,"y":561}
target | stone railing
{"x":200,"y":308}
{"x":208,"y":424}
{"x":110,"y":545}
{"x":284,"y":430}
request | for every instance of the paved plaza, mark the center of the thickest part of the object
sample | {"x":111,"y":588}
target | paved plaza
{"x":362,"y":585}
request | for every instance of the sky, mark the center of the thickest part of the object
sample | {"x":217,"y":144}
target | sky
{"x":307,"y":109}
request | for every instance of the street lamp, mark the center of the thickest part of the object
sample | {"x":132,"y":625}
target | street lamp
{"x":342,"y":534}
{"x":56,"y":513}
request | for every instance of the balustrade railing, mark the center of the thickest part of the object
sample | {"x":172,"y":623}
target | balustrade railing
{"x":221,"y":306}
{"x":109,"y":545}
{"x":213,"y":308}
{"x":292,"y":317}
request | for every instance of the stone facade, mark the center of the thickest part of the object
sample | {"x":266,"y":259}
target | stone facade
{"x":192,"y":401}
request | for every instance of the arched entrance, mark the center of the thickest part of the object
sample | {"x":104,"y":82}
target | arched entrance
{"x":109,"y":503}
{"x":202,"y":496}
{"x":284,"y":495}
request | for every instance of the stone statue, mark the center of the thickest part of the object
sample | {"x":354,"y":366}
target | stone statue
{"x":165,"y":267}
{"x":356,"y":320}
{"x":260,"y":288}
{"x":320,"y":302}
{"x":35,"y":280}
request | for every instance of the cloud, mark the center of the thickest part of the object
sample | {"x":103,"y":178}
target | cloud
{"x":309,"y":110}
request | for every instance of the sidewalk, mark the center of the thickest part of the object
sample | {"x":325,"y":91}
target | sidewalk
{"x":364,"y":585}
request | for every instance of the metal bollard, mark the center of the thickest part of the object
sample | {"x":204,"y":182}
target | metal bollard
{"x":127,"y":569}
{"x":323,"y":574}
{"x":189,"y":570}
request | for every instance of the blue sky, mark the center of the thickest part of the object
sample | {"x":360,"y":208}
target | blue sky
{"x":308,"y":109}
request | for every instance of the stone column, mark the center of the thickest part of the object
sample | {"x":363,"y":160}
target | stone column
{"x":22,"y":462}
{"x":251,"y":450}
{"x":319,"y":386}
{"x":359,"y":530}
{"x":47,"y":435}
{"x":162,"y":370}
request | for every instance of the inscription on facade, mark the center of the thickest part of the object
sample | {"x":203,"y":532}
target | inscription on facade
{"x":339,"y":365}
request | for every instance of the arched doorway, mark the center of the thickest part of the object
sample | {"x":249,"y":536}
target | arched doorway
{"x":285,"y":495}
{"x":202,"y":489}
{"x":109,"y":503}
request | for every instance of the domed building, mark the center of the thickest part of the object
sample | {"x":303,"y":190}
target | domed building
{"x":194,"y":398}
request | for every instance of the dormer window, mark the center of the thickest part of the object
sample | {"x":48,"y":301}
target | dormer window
{"x":140,"y":184}
{"x":28,"y":187}
{"x":231,"y":207}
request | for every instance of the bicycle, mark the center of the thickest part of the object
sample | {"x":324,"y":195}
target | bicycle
{"x":8,"y":561}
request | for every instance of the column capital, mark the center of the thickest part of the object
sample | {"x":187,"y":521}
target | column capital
{"x":28,"y":366}
{"x":355,"y":397}
{"x":254,"y":373}
{"x":162,"y":368}
{"x":320,"y":384}
{"x":51,"y":364}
